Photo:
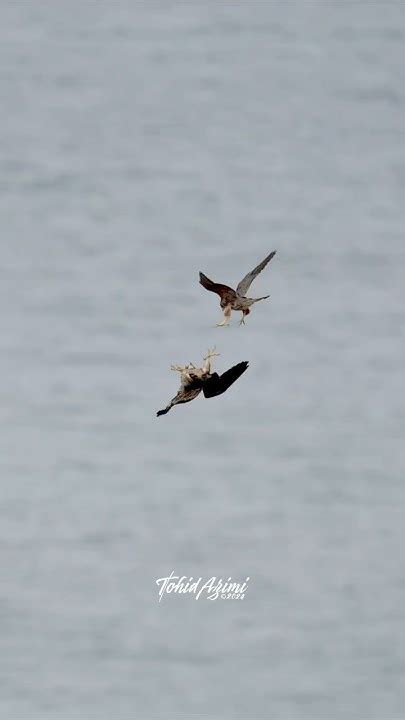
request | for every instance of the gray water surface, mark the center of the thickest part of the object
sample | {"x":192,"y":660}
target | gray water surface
{"x":141,"y":143}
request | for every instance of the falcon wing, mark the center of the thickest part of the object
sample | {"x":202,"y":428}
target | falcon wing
{"x":224,"y":291}
{"x":245,"y":284}
{"x":217,"y":384}
{"x":183,"y":396}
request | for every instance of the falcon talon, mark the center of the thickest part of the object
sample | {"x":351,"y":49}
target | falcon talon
{"x":211,"y":353}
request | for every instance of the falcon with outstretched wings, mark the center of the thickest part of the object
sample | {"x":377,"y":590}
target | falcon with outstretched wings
{"x":194,"y":379}
{"x":236,"y":299}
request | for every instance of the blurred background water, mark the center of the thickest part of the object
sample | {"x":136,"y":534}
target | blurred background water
{"x":140,"y":143}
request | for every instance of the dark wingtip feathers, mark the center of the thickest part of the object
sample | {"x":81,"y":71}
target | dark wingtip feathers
{"x":243,"y":365}
{"x":162,"y":412}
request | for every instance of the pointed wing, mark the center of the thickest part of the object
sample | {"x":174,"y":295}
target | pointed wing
{"x":245,"y":284}
{"x":183,"y":396}
{"x":224,"y":291}
{"x":218,"y":384}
